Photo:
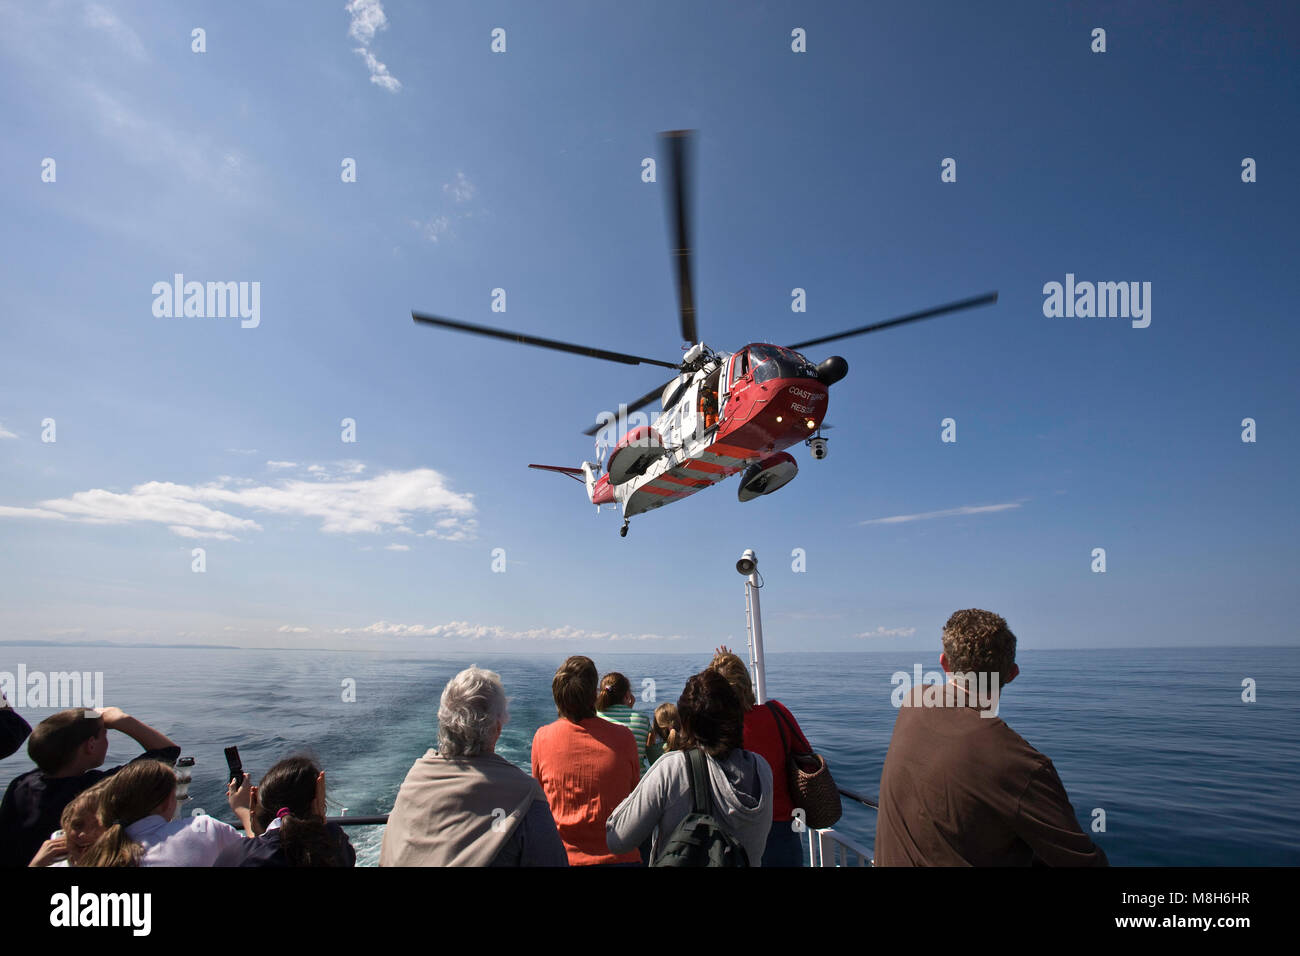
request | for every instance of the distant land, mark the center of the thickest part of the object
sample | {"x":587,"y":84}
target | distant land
{"x":469,"y":651}
{"x":210,"y":647}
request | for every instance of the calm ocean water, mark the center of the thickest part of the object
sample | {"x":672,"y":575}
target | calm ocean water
{"x":1186,"y":773}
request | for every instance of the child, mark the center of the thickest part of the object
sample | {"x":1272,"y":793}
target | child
{"x":80,"y":829}
{"x":67,"y":750}
{"x":665,"y":733}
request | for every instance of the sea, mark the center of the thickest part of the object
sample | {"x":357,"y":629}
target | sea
{"x":1171,"y":757}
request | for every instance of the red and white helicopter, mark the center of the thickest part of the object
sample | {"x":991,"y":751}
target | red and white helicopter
{"x":723,"y":413}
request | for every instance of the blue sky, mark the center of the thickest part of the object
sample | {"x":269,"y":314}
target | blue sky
{"x":521,"y":170}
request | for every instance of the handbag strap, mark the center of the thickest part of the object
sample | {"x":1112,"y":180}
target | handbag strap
{"x":699,"y":780}
{"x":780,"y":727}
{"x":781,"y":722}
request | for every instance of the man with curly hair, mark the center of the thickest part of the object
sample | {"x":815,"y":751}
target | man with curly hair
{"x":961,"y":788}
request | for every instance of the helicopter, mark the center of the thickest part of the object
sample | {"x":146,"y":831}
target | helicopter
{"x":723,"y":413}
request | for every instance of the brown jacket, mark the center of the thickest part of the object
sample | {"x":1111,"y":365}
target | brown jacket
{"x":960,"y":789}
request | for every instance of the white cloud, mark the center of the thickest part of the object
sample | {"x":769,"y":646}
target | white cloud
{"x":154,"y":501}
{"x":384,"y":503}
{"x":465,"y":631}
{"x":368,"y":18}
{"x":185,"y":532}
{"x":379,"y":74}
{"x":278,"y":465}
{"x":888,"y":632}
{"x":397,"y":547}
{"x":462,"y":190}
{"x":454,"y":529}
{"x":949,"y":513}
{"x":104,"y":20}
{"x":6,"y":433}
{"x":286,"y":629}
{"x":433,"y":229}
{"x":165,"y":144}
{"x":7,"y":512}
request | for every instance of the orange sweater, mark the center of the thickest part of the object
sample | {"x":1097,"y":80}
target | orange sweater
{"x":586,"y":770}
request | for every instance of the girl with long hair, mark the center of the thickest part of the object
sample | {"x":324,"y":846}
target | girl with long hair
{"x":290,"y":812}
{"x":136,"y":810}
{"x":665,"y":732}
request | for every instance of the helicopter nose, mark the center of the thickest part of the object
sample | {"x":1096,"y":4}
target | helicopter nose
{"x":832,"y":370}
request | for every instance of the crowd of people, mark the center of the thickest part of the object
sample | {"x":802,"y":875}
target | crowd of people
{"x":708,"y":780}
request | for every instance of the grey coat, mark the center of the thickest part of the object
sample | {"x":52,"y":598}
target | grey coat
{"x":741,"y":802}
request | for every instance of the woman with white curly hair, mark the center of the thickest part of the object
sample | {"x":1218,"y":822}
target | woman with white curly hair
{"x":462,"y":805}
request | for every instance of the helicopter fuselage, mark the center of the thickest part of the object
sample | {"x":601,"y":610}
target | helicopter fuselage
{"x":736,"y":410}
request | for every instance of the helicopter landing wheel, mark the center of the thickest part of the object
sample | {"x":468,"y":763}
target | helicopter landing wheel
{"x":622,"y":532}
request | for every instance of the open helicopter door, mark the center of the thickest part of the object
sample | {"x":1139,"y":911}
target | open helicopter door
{"x":726,"y":379}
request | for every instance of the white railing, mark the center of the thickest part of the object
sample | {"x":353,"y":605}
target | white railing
{"x":831,"y":848}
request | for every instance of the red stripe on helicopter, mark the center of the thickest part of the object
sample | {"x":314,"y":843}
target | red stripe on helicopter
{"x":656,"y":489}
{"x":684,"y":480}
{"x":696,"y":464}
{"x":732,"y":451}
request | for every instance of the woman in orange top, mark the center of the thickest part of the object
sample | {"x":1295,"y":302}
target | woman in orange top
{"x":586,"y":766}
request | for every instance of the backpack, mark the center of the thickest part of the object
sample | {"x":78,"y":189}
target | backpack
{"x":699,"y":840}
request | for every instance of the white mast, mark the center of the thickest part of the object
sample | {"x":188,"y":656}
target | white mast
{"x":748,"y":565}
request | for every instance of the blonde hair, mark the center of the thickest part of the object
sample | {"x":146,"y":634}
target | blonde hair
{"x":736,"y":673}
{"x":129,"y":795}
{"x":667,"y":726}
{"x":85,"y":802}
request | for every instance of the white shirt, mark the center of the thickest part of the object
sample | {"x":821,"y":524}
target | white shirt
{"x":196,"y":841}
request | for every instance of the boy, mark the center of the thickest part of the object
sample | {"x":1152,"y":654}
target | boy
{"x":67,"y":750}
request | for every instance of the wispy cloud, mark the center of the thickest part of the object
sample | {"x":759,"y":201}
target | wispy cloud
{"x":383,"y":504}
{"x":6,"y":433}
{"x":9,"y":512}
{"x":465,"y":631}
{"x":368,"y":18}
{"x":288,"y":629}
{"x":397,"y":547}
{"x":186,"y":532}
{"x":947,"y":513}
{"x":149,"y":140}
{"x":106,"y":21}
{"x":461,"y":189}
{"x":433,"y":229}
{"x":888,"y":632}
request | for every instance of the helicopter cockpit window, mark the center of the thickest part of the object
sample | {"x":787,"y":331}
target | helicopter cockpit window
{"x":739,"y":367}
{"x":772,"y":361}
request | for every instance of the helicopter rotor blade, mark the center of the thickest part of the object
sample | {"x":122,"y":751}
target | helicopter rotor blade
{"x":987,"y":299}
{"x":678,"y":143}
{"x":540,"y":342}
{"x":640,"y":403}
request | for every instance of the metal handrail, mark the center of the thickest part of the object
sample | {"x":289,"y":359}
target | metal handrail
{"x":382,"y":818}
{"x":377,"y":820}
{"x":858,"y":797}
